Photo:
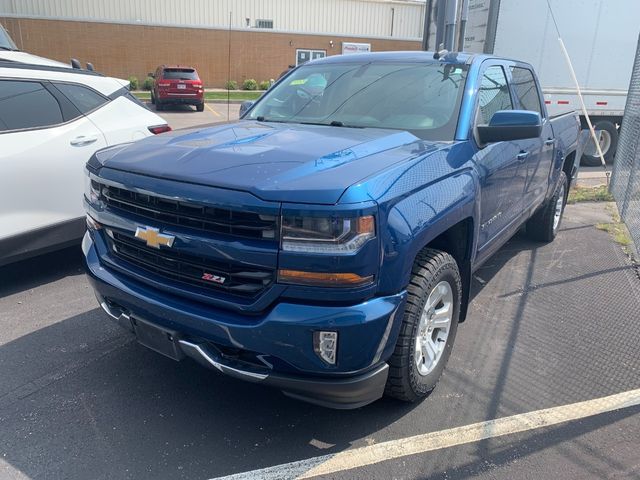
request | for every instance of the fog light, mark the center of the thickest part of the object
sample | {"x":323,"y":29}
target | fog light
{"x":325,"y":345}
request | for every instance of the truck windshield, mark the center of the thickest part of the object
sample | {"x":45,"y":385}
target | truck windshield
{"x":421,"y":98}
{"x":5,"y":40}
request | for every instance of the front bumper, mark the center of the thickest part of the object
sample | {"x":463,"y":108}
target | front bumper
{"x":281,"y":337}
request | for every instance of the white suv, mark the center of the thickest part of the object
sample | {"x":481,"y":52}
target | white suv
{"x":52,"y":119}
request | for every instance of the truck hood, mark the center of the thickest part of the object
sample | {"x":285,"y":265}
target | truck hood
{"x":277,"y":162}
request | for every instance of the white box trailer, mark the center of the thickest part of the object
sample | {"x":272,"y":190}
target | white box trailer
{"x":601,"y":37}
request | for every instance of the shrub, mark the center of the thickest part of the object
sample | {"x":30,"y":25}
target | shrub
{"x":264,"y":85}
{"x":231,"y":85}
{"x":133,"y":83}
{"x":148,"y":83}
{"x":249,"y":84}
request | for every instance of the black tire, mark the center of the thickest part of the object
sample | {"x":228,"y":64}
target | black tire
{"x":405,"y":382}
{"x":610,"y":129}
{"x":541,"y":226}
{"x":200,"y":107}
{"x":159,"y":106}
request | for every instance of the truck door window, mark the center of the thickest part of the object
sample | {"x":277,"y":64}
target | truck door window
{"x":27,"y":105}
{"x":526,"y":89}
{"x":493,"y":94}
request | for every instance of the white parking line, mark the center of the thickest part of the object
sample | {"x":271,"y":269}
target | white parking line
{"x":360,"y":457}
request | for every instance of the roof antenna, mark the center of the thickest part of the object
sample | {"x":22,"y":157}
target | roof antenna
{"x":76,"y":64}
{"x":440,"y":53}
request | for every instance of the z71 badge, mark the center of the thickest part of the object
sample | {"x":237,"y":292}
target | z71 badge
{"x":210,"y":277}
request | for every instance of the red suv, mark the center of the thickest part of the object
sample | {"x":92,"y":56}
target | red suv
{"x":175,"y":84}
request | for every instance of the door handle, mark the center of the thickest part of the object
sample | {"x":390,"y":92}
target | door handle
{"x":522,"y":156}
{"x":550,"y":141}
{"x":83,"y":141}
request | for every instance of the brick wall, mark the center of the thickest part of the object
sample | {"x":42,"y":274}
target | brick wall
{"x":122,"y":50}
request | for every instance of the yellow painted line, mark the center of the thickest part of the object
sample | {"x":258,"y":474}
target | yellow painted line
{"x":428,"y":442}
{"x":212,"y":110}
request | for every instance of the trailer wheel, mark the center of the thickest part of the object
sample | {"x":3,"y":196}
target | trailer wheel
{"x":428,"y":328}
{"x":608,"y":144}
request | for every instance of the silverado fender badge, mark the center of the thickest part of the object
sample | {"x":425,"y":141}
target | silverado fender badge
{"x":154,"y":238}
{"x":210,"y":277}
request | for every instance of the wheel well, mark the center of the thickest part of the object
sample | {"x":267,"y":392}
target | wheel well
{"x":457,"y":242}
{"x":616,"y":120}
{"x":567,"y":167}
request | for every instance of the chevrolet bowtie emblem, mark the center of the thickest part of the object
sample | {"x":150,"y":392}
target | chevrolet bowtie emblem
{"x":153,"y":237}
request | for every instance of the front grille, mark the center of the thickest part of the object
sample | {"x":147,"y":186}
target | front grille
{"x":190,"y":269}
{"x":191,"y":215}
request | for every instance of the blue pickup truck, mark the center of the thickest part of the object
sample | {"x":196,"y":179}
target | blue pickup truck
{"x":324,"y":243}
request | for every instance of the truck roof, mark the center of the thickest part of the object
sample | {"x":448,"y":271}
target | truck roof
{"x":404,"y":56}
{"x":415,"y":56}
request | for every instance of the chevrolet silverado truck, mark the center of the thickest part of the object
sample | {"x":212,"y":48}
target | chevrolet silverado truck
{"x":324,"y":243}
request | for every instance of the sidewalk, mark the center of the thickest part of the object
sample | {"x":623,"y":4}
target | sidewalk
{"x":593,"y":176}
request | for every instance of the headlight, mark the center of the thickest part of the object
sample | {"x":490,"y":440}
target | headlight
{"x":91,"y":188}
{"x":331,"y":235}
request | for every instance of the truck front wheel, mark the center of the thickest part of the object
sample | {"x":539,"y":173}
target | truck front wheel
{"x":428,"y":328}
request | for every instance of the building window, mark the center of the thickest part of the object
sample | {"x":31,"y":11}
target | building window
{"x":304,"y":55}
{"x":264,"y":23}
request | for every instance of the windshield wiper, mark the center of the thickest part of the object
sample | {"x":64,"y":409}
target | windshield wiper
{"x":333,"y":123}
{"x":2,"y":47}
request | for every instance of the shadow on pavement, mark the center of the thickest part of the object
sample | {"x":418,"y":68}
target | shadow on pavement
{"x":31,"y":273}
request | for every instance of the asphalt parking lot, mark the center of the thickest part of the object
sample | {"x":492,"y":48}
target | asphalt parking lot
{"x":186,"y":116}
{"x":549,"y":326}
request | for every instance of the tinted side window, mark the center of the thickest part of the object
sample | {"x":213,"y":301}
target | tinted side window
{"x":83,"y":98}
{"x":27,"y":105}
{"x":526,"y":90}
{"x":493,"y":94}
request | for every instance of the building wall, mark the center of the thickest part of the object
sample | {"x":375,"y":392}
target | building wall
{"x":338,"y":17}
{"x":122,"y":50}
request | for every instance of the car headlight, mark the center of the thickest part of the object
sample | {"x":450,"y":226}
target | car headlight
{"x":91,"y":188}
{"x":330,"y":235}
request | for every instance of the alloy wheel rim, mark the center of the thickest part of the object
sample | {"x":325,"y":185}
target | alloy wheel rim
{"x":433,"y":329}
{"x":605,"y":144}
{"x":559,"y":205}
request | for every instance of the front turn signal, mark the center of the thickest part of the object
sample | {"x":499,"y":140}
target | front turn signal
{"x":319,"y":279}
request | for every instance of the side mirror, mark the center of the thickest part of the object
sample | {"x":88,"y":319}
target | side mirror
{"x":245,"y":106}
{"x":507,"y":125}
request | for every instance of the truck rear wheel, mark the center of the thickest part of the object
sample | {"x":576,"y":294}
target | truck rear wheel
{"x":428,"y":328}
{"x":543,"y":226}
{"x":608,"y":144}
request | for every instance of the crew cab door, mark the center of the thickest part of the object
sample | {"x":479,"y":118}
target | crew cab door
{"x":526,"y":94}
{"x":45,"y":145}
{"x":502,"y":166}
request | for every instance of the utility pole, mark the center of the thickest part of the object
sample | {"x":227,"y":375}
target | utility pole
{"x":451,"y":13}
{"x":426,"y":30}
{"x":464,"y":15}
{"x":451,"y":23}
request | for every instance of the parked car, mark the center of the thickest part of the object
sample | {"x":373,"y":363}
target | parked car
{"x":324,"y":244}
{"x":52,"y":119}
{"x":177,"y":85}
